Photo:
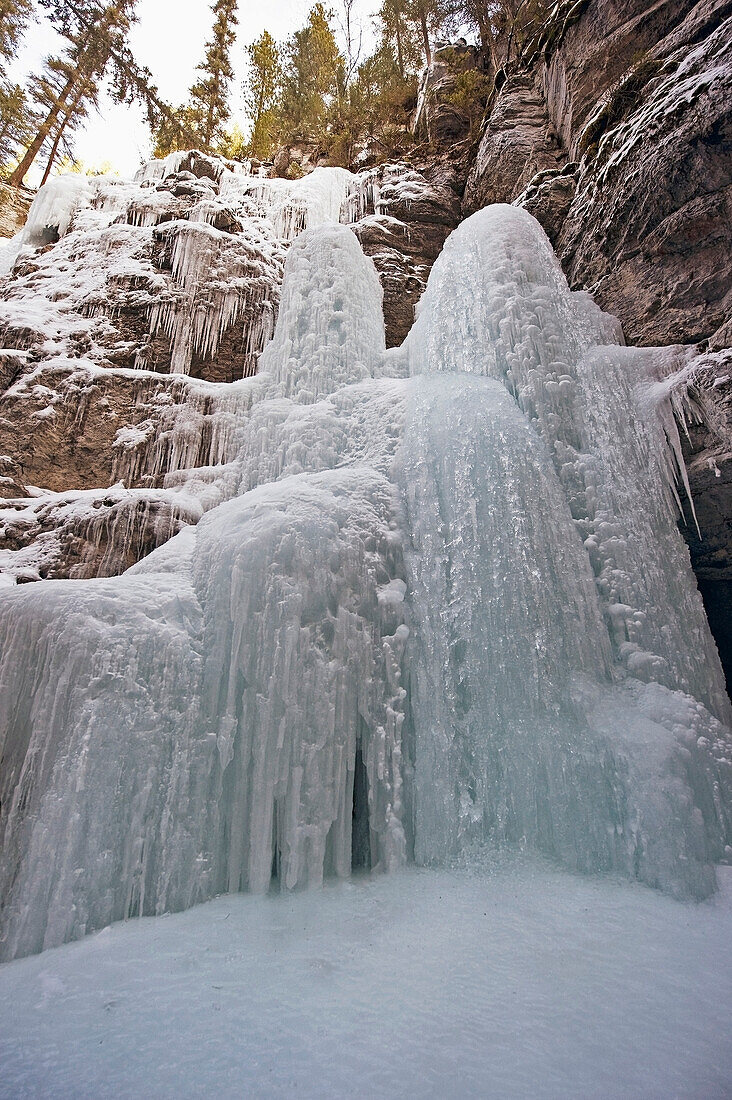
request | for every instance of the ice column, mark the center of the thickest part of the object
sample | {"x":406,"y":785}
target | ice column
{"x":515,"y":320}
{"x":193,"y":726}
{"x":330,"y":329}
{"x":528,"y":471}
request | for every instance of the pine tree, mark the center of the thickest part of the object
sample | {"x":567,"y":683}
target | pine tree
{"x":16,"y":114}
{"x":175,"y":132}
{"x":209,"y":96}
{"x":44,"y":91}
{"x":14,"y":15}
{"x":503,"y":26}
{"x":310,"y":81}
{"x":97,"y":47}
{"x":90,"y":48}
{"x":398,"y":36}
{"x":17,"y":123}
{"x":261,"y":90}
{"x":427,"y":18}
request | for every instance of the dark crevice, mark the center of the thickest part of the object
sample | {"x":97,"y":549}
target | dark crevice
{"x":717,"y":597}
{"x":276,"y":856}
{"x":360,"y":831}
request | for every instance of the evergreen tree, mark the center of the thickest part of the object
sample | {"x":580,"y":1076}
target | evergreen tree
{"x":427,"y":18}
{"x":17,"y":122}
{"x":209,"y":100}
{"x":175,"y":132}
{"x":90,"y":48}
{"x":503,"y":26}
{"x":399,"y":36}
{"x":383,"y":100}
{"x":97,"y":47}
{"x":44,"y":91}
{"x":311,"y":79}
{"x":16,"y":115}
{"x":261,"y":91}
{"x":14,"y":15}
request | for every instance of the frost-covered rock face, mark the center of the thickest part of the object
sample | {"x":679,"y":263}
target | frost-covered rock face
{"x":437,"y":598}
{"x":119,"y":288}
{"x":637,"y":101}
{"x":403,"y":230}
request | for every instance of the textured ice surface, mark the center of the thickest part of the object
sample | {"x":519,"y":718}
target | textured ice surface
{"x":318,"y":198}
{"x":109,"y":229}
{"x":517,"y":322}
{"x":53,"y":208}
{"x":419,"y":612}
{"x":518,"y":983}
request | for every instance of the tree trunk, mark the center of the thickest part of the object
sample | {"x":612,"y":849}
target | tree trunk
{"x":425,"y":37}
{"x":16,"y":179}
{"x":487,"y":45}
{"x":59,"y":132}
{"x":398,"y":32}
{"x":52,"y":155}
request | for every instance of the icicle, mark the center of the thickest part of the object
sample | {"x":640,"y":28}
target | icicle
{"x":292,"y":206}
{"x":86,"y":534}
{"x":222,"y":277}
{"x":154,"y":170}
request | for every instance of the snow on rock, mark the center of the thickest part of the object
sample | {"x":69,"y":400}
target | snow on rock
{"x":178,"y":271}
{"x":418,"y":612}
{"x":71,"y":424}
{"x":88,"y":534}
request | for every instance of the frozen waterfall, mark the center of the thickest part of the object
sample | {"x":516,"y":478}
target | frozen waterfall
{"x":444,"y":603}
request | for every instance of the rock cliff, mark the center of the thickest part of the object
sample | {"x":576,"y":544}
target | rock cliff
{"x":14,"y":207}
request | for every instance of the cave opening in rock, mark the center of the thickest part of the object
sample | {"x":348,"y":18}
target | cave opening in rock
{"x":360,"y":831}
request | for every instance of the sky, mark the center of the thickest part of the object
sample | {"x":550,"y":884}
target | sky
{"x":169,"y":39}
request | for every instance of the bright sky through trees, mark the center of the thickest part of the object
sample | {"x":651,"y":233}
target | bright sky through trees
{"x":170,"y":40}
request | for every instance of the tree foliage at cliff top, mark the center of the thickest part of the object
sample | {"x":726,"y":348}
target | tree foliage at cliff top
{"x":315,"y":89}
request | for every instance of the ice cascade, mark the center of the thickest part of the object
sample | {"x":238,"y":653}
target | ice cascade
{"x":437,"y":599}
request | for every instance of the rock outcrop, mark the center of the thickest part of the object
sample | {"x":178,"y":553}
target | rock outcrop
{"x":14,"y":206}
{"x":404,"y":235}
{"x":444,"y":116}
{"x":129,"y":304}
{"x":626,"y":111}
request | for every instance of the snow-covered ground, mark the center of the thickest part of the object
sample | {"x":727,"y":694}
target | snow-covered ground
{"x":503,"y":980}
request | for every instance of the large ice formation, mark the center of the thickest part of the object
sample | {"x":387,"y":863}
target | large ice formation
{"x":437,"y":598}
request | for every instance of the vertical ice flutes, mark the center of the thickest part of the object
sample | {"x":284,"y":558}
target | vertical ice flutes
{"x":444,"y":602}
